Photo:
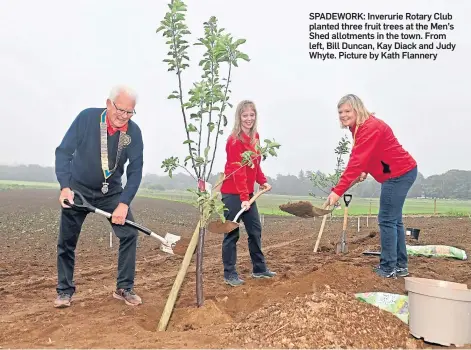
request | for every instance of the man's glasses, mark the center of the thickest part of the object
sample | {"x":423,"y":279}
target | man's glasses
{"x":122,"y":111}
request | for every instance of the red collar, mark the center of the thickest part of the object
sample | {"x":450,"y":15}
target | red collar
{"x":246,"y":140}
{"x":247,"y":137}
{"x":112,"y":130}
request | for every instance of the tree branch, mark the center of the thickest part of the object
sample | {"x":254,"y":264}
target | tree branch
{"x":180,"y":90}
{"x":211,"y":92}
{"x":219,"y":122}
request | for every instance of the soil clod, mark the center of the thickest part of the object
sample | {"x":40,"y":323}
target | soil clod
{"x":302,"y":209}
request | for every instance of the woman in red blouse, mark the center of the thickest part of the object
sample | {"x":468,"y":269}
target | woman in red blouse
{"x":376,"y":151}
{"x":236,"y":191}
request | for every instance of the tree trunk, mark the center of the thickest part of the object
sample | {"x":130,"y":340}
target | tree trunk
{"x":199,"y":267}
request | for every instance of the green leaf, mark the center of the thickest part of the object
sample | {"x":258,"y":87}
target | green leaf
{"x":192,"y":128}
{"x":211,"y":126}
{"x":199,"y":161}
{"x":243,"y":56}
{"x":206,"y":151}
{"x":239,"y":42}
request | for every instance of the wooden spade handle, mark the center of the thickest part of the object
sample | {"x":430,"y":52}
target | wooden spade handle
{"x":345,"y":218}
{"x":321,"y":230}
{"x":255,"y":196}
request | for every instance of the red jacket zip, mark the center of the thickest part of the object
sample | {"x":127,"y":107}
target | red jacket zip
{"x":243,"y":180}
{"x":375,"y":151}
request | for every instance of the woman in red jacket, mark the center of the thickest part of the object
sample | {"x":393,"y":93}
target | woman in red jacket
{"x":376,"y":151}
{"x":236,"y":191}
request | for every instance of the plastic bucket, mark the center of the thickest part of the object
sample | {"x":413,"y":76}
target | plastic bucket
{"x":415,"y":233}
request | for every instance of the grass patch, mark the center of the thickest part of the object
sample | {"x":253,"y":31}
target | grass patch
{"x":17,"y":185}
{"x":268,"y":204}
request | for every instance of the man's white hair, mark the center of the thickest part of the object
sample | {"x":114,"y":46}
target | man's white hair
{"x":118,"y":89}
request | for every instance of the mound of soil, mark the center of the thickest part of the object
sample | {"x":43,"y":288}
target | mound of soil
{"x":325,"y":319}
{"x":302,"y":209}
{"x":207,"y":315}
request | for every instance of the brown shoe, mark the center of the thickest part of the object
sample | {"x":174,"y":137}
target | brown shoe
{"x":63,"y":300}
{"x":128,"y":296}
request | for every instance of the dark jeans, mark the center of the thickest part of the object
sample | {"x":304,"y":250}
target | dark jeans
{"x":393,"y":241}
{"x":71,"y":222}
{"x":253,"y":227}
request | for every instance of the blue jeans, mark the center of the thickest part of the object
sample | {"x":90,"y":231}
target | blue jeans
{"x":393,"y":241}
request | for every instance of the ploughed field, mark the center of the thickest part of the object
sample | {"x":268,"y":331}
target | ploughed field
{"x":310,"y":303}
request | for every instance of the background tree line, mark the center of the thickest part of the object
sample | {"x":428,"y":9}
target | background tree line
{"x":454,"y":184}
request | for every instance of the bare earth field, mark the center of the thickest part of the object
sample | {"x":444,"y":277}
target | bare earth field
{"x":309,"y":304}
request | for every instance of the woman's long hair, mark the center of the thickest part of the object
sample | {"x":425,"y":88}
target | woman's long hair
{"x":237,"y":129}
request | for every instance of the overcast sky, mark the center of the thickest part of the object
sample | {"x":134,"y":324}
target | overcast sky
{"x":59,"y":57}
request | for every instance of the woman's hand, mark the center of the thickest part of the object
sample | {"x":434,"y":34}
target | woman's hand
{"x":246,"y":205}
{"x":333,"y":198}
{"x":360,"y":178}
{"x":266,"y":186}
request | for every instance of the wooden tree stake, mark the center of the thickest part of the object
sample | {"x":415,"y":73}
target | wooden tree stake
{"x":168,"y":309}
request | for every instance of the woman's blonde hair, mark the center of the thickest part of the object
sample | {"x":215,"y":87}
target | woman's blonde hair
{"x":237,"y":129}
{"x":357,"y":105}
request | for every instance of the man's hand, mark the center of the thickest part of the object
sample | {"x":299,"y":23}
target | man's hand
{"x":120,"y":214}
{"x":266,"y":186}
{"x":333,"y":198}
{"x":66,"y":193}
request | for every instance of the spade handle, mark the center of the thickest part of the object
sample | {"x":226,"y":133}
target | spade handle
{"x":255,"y":196}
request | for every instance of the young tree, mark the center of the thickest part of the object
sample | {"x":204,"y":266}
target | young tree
{"x":203,"y":111}
{"x":325,"y":182}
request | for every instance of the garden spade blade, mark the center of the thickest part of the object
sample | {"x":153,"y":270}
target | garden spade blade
{"x":222,"y":227}
{"x":305,"y":209}
{"x":228,"y":226}
{"x":175,"y":244}
{"x":342,"y":246}
{"x":320,"y":212}
{"x":368,"y":252}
